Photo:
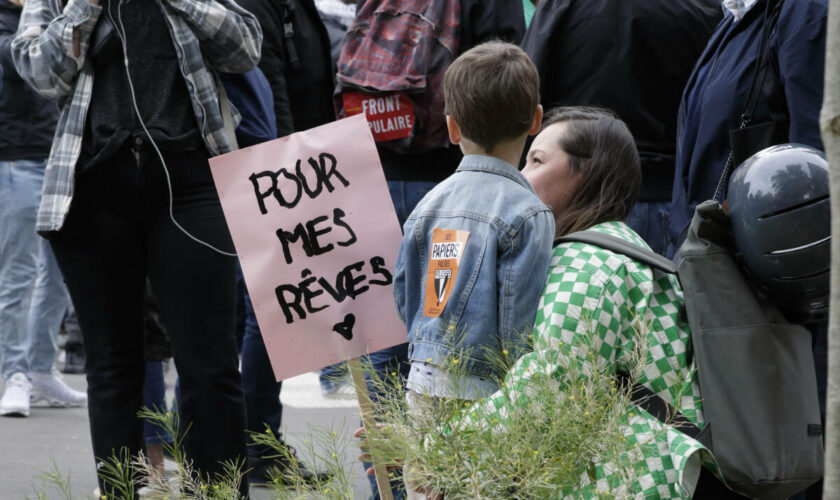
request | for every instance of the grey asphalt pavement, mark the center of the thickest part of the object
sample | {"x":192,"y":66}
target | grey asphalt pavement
{"x":28,"y":446}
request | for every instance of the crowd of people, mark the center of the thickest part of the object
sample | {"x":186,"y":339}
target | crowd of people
{"x":532,"y":120}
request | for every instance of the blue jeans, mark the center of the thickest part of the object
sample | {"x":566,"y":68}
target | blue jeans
{"x":650,"y":219}
{"x":33,"y":298}
{"x":405,"y":195}
{"x":331,"y":376}
{"x":261,"y":391}
{"x":154,"y":398}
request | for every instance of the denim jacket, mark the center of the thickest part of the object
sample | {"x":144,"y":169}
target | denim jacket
{"x":503,"y":266}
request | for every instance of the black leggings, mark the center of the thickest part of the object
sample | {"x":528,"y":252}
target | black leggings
{"x":117,"y":233}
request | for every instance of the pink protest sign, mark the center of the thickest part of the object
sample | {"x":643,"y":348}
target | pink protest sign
{"x":317,"y":237}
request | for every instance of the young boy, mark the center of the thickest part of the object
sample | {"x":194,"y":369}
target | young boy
{"x":475,"y":254}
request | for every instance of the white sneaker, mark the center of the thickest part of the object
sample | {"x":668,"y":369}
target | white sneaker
{"x":15,"y":401}
{"x":51,"y":387}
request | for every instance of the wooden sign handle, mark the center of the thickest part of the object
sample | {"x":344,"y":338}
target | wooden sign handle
{"x":366,"y":408}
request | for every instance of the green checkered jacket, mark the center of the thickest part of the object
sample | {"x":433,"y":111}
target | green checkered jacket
{"x":596,"y":299}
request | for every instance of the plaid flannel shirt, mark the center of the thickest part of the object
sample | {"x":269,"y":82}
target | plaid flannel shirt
{"x":593,"y":300}
{"x":208,"y":34}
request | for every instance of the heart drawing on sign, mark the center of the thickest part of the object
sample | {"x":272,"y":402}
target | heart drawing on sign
{"x":345,"y":328}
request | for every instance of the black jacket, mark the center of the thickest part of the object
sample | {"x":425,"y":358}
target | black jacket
{"x":311,"y":80}
{"x":632,"y":56}
{"x":27,"y":120}
{"x":301,"y":79}
{"x":485,"y":20}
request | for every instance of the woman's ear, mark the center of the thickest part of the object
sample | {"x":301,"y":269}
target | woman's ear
{"x":537,"y":123}
{"x":454,"y":131}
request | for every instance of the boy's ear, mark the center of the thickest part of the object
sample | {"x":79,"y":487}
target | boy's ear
{"x":454,"y":131}
{"x":537,"y":123}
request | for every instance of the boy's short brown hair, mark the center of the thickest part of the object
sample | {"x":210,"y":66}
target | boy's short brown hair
{"x":492,"y":92}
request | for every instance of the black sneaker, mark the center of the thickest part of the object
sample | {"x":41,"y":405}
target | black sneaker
{"x":74,"y":359}
{"x":288,"y":466}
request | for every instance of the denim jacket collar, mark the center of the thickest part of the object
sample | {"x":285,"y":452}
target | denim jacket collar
{"x":493,"y":165}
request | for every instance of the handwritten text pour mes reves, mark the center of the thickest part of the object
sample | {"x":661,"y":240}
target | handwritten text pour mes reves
{"x":320,"y":235}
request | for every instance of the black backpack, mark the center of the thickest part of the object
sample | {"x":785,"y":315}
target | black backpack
{"x":756,"y":370}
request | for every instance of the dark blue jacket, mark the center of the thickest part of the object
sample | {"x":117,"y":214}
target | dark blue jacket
{"x":716,"y":93}
{"x":250,"y":93}
{"x":27,"y":120}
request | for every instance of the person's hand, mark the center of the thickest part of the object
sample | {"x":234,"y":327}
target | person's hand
{"x":430,"y":495}
{"x":19,"y":3}
{"x":77,"y":45}
{"x":365,"y":456}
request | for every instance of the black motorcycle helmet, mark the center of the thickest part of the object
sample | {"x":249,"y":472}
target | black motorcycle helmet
{"x":781,"y":224}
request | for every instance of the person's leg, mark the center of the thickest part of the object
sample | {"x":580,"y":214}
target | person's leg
{"x":332,"y":378}
{"x":386,"y":364}
{"x":405,"y":195}
{"x":49,"y":303}
{"x":262,"y":404}
{"x":262,"y":392}
{"x":20,"y":193}
{"x":154,"y":398}
{"x":101,"y":253}
{"x":240,"y":308}
{"x":650,"y":220}
{"x":195,"y":287}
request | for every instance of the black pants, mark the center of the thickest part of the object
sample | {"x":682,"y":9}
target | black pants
{"x":117,"y":233}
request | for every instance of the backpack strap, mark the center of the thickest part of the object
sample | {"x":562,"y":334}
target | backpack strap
{"x":771,"y":19}
{"x":620,"y":246}
{"x":287,"y":9}
{"x":773,"y":89}
{"x":642,"y":396}
{"x":658,"y":407}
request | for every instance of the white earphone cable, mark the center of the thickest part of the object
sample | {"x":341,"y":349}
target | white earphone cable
{"x":121,"y":35}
